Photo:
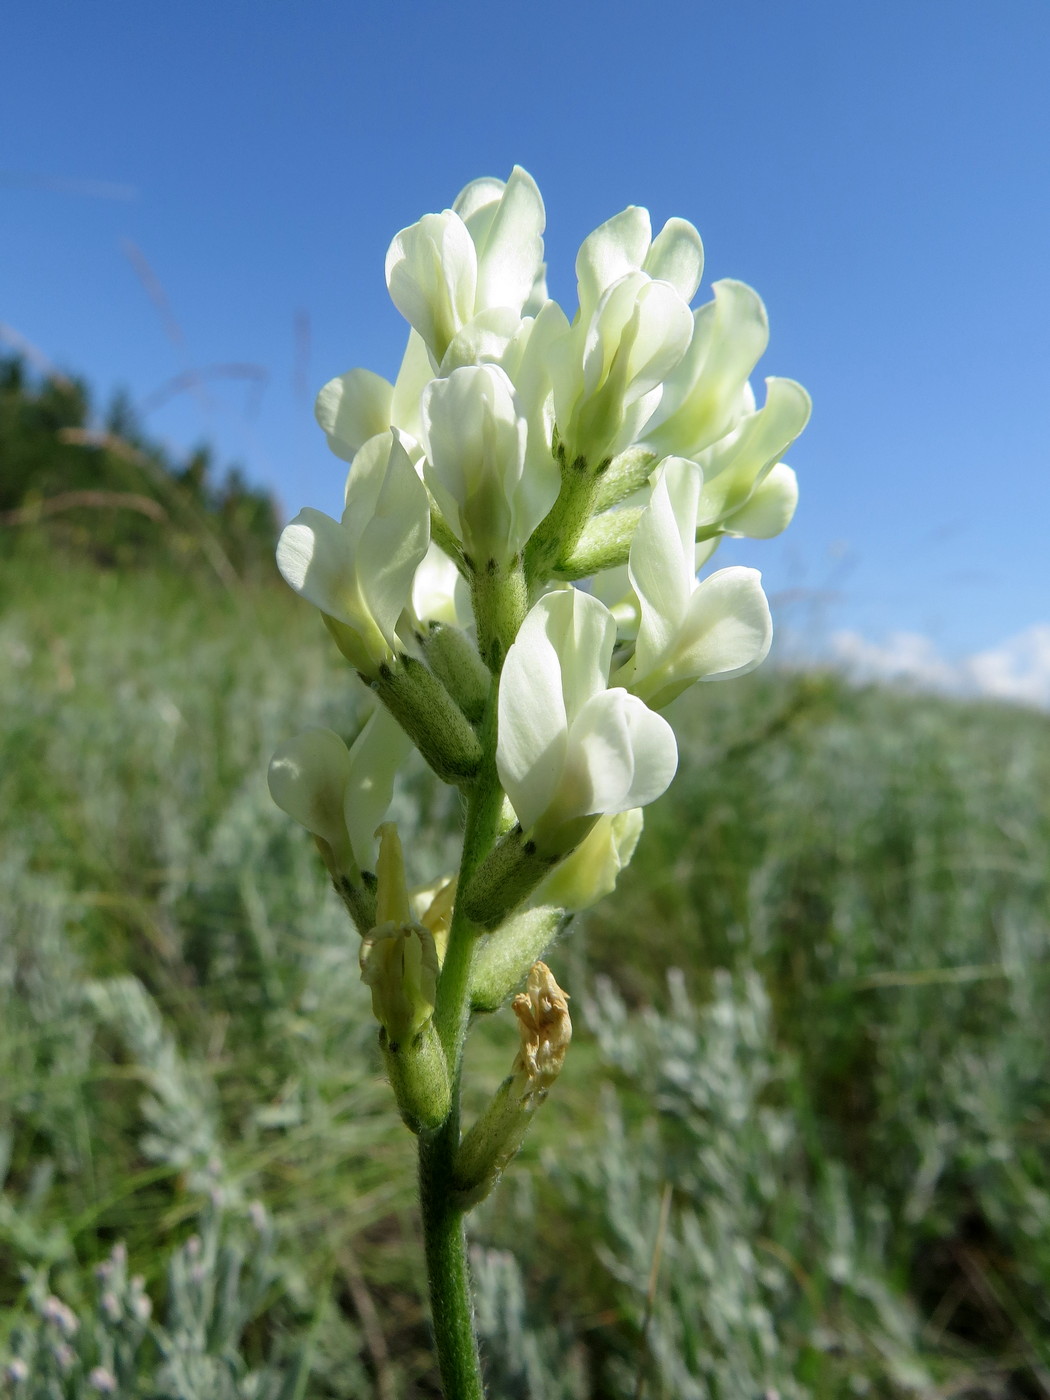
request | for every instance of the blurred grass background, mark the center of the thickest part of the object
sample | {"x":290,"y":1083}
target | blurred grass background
{"x":811,"y":1058}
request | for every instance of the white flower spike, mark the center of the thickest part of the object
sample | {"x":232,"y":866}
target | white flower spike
{"x":528,"y":452}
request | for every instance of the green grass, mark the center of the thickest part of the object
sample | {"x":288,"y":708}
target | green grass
{"x":843,"y":1091}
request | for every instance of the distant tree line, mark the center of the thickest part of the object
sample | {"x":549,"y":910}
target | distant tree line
{"x":101,"y":489}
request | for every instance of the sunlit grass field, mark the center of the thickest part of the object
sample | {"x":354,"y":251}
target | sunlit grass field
{"x":811,"y":1070}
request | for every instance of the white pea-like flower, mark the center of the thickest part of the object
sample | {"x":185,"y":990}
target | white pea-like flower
{"x":633,"y":327}
{"x":625,"y":244}
{"x":570,"y":748}
{"x":688,"y":631}
{"x":359,"y":404}
{"x":608,"y":370}
{"x":707,"y":393}
{"x":340,"y":795}
{"x":359,"y":570}
{"x":747,"y":490}
{"x":485,"y":253}
{"x":476,"y":437}
{"x":505,"y":220}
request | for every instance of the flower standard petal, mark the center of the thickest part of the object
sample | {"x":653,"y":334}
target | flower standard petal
{"x":392,"y":536}
{"x":582,"y":632}
{"x":728,"y":629}
{"x":475,"y":438}
{"x":677,"y":256}
{"x":662,"y":560}
{"x":317,"y":558}
{"x":476,"y":201}
{"x":528,"y":363}
{"x":307,"y":779}
{"x":533,"y":725}
{"x":702,"y":395}
{"x":359,"y":571}
{"x":636,"y":336}
{"x":439,"y":592}
{"x":621,"y":755}
{"x":431,"y":272}
{"x":508,"y":234}
{"x":614,"y":248}
{"x":568,"y":747}
{"x":414,"y":373}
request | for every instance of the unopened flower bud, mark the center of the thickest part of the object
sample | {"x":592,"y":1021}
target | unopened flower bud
{"x":399,"y":963}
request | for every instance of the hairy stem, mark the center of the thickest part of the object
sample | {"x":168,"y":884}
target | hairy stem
{"x":443,"y":1231}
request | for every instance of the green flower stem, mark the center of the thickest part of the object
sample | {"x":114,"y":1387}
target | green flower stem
{"x":445,"y":1245}
{"x":558,"y":533}
{"x":443,"y":1232}
{"x":500,"y":602}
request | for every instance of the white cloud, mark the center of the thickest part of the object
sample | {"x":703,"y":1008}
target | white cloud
{"x":1018,"y":669}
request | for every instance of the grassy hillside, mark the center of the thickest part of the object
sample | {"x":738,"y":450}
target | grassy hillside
{"x":839,"y":1096}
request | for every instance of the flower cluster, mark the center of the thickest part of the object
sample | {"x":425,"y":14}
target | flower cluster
{"x":514,"y":575}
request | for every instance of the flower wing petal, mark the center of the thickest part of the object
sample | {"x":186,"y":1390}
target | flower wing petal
{"x":353,"y":408}
{"x":307,"y":778}
{"x":728,"y":629}
{"x":661,"y":565}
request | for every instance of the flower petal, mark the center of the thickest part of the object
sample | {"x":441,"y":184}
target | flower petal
{"x":583,"y":633}
{"x":733,"y":467}
{"x":415,"y":373}
{"x":621,"y":755}
{"x":483,"y":340}
{"x":510,"y":245}
{"x":677,"y":256}
{"x":770,"y":507}
{"x":394,"y":535}
{"x":614,"y":248}
{"x":439,"y":591}
{"x":317,"y":558}
{"x":375,"y":757}
{"x":701,"y":398}
{"x":662,"y":563}
{"x":477,"y":200}
{"x":432,"y":271}
{"x":533,"y":729}
{"x":353,"y":408}
{"x":728,"y":630}
{"x":307,"y":778}
{"x":590,"y":872}
{"x":475,"y":438}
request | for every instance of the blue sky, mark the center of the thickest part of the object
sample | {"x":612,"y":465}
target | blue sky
{"x":878,"y":171}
